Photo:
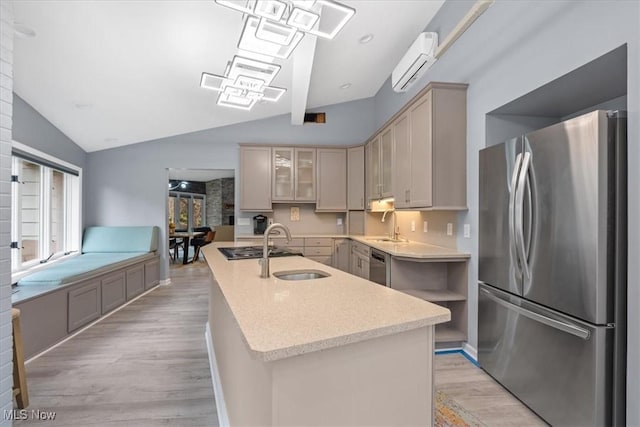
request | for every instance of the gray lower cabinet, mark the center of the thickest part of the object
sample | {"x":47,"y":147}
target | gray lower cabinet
{"x":84,"y":305}
{"x":43,"y":322}
{"x":113,"y":291}
{"x":151,"y":273}
{"x":135,"y":281}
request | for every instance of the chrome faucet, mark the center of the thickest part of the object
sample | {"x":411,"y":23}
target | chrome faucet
{"x":264,"y":261}
{"x":395,"y":234}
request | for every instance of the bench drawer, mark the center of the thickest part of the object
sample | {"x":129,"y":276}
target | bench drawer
{"x":152,"y":273}
{"x":84,"y":305}
{"x":135,"y":281}
{"x":113,"y":291}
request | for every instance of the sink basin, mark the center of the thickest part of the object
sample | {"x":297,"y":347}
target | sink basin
{"x":387,"y":239}
{"x":301,"y":274}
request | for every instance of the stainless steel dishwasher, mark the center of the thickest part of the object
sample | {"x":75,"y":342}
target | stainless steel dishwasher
{"x":378,"y":264}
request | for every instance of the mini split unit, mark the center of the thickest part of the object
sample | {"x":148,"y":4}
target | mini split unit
{"x":414,"y":63}
{"x":425,"y":50}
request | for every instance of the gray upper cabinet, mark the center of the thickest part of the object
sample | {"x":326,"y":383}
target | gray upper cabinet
{"x":255,"y":178}
{"x":430,"y":158}
{"x":331,"y":179}
{"x":355,"y":180}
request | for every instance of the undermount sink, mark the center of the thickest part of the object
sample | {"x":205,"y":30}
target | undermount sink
{"x":301,"y":274}
{"x":388,"y":239}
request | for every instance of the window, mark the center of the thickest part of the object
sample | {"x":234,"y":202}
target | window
{"x":187,"y":210}
{"x":45,"y":202}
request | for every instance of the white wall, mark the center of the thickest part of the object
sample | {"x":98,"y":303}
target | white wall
{"x":6,"y":111}
{"x":514,"y":48}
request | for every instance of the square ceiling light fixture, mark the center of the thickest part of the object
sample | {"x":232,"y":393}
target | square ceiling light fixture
{"x":322,"y":18}
{"x":272,"y":30}
{"x":246,"y":81}
{"x":268,"y":38}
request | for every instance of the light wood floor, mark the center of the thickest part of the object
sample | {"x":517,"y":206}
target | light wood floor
{"x":147,"y":365}
{"x":480,"y":395}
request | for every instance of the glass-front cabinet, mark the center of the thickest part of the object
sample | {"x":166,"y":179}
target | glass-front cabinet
{"x":305,"y":174}
{"x":294,"y":174}
{"x":283,"y":165}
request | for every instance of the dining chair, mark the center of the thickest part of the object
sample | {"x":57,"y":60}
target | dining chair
{"x":200,"y":242}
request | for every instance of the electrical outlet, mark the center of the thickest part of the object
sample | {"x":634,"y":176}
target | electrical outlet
{"x":295,"y":213}
{"x":425,"y":227}
{"x":413,"y":226}
{"x":449,"y":229}
{"x":467,"y":231}
{"x":270,"y":221}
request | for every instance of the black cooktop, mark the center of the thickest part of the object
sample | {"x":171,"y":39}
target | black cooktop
{"x":249,"y":252}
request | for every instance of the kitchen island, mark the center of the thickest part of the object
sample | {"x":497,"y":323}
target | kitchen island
{"x":339,"y":350}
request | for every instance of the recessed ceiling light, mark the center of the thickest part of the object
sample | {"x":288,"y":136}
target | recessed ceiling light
{"x":345,"y":86}
{"x":82,"y":106}
{"x":23,"y":31}
{"x":366,"y":38}
{"x":111,"y":140}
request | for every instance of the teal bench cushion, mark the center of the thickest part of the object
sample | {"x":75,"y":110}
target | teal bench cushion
{"x":120,"y":239}
{"x":75,"y":268}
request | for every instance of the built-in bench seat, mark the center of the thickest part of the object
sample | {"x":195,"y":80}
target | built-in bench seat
{"x":116,"y":265}
{"x":81,"y":267}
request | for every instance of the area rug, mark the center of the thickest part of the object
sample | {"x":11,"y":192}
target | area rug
{"x":450,"y":413}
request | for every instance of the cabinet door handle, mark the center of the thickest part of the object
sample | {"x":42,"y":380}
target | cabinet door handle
{"x":361,"y":202}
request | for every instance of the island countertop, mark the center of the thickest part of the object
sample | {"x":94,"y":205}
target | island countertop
{"x":280,"y":318}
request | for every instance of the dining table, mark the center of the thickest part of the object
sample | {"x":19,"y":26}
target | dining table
{"x":186,"y":237}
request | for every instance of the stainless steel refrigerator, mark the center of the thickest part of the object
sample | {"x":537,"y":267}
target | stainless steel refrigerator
{"x":552,"y":269}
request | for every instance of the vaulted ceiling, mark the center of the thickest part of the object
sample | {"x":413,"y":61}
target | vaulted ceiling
{"x":112,"y":73}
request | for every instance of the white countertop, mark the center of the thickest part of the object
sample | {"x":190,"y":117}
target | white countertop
{"x":280,"y":319}
{"x":411,"y":249}
{"x":417,"y":250}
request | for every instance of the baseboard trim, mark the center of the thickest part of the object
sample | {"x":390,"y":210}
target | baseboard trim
{"x":221,"y":406}
{"x":468,"y":351}
{"x":100,"y":319}
{"x":165,"y":282}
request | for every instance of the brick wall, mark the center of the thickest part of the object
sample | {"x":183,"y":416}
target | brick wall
{"x":6,"y":112}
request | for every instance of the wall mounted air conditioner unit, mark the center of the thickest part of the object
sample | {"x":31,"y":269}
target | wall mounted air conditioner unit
{"x":414,"y":63}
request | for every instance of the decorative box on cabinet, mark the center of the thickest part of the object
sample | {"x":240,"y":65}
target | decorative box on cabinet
{"x":430,"y":150}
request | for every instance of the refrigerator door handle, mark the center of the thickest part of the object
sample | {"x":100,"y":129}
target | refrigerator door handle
{"x":563,"y":326}
{"x":519,"y":207}
{"x":512,"y":198}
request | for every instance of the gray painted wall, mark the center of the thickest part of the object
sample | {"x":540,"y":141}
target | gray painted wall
{"x":514,"y":48}
{"x":32,"y":129}
{"x":127,"y":185}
